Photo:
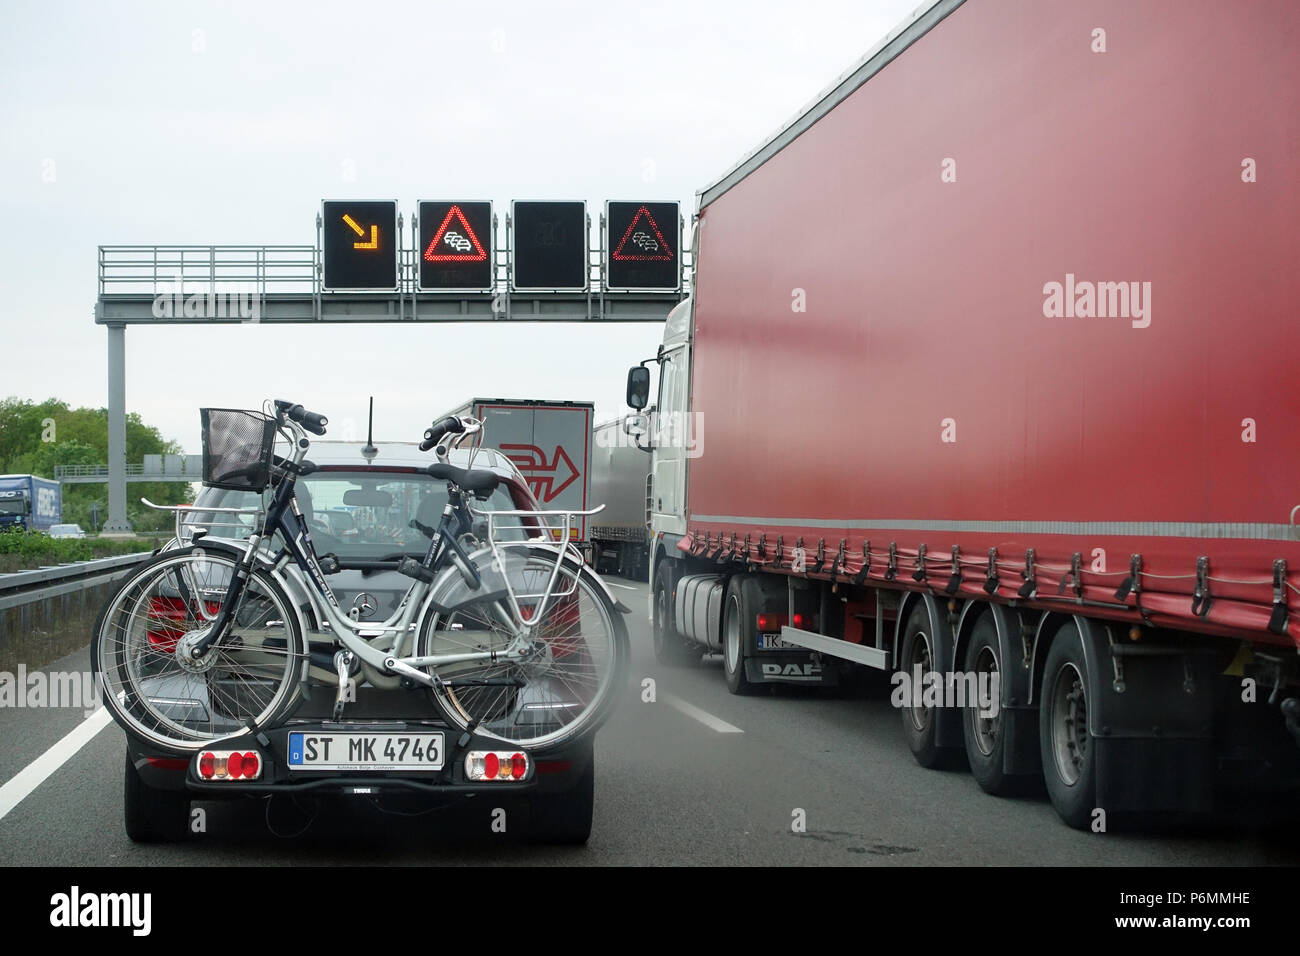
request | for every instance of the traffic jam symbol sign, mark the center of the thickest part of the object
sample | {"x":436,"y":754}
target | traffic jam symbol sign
{"x":359,"y":245}
{"x":545,"y":479}
{"x":643,"y":239}
{"x":456,"y":246}
{"x":646,"y":244}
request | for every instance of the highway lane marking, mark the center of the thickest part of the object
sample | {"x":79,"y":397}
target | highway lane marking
{"x":625,"y":587}
{"x":44,"y":766}
{"x":703,"y":716}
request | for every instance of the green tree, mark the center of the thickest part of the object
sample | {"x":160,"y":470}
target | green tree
{"x":35,"y":438}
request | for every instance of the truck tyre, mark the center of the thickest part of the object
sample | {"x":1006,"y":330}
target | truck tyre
{"x":920,"y":723}
{"x":735,"y":612}
{"x":565,"y":817}
{"x":1068,"y":750}
{"x":671,"y":649}
{"x":152,"y":815}
{"x":985,"y":736}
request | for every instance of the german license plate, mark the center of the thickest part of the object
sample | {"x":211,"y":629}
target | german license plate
{"x":362,"y":751}
{"x":773,"y":642}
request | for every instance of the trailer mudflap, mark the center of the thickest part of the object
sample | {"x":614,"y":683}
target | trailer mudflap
{"x":806,"y":669}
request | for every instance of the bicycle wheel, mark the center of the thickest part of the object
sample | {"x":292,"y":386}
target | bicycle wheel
{"x":576,"y":654}
{"x":161,"y":695}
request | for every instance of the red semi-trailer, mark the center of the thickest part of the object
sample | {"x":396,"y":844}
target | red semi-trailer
{"x":988,"y":371}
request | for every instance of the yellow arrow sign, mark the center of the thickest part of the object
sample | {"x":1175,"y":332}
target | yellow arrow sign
{"x":374,"y":234}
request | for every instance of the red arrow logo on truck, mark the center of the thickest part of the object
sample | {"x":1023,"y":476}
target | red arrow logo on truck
{"x":542,"y":476}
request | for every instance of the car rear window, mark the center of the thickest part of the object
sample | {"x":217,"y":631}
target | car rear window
{"x":354,"y":514}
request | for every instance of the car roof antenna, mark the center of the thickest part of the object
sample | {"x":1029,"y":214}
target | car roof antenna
{"x":369,"y":451}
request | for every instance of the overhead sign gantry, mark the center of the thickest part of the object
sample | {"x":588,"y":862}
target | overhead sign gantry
{"x":446,"y":261}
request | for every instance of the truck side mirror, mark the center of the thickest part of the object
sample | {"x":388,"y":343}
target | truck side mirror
{"x":638,"y":387}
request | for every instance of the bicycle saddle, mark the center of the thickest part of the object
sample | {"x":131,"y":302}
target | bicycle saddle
{"x":477,"y":481}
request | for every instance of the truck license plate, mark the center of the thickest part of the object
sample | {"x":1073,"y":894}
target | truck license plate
{"x":361,"y":751}
{"x":773,"y":642}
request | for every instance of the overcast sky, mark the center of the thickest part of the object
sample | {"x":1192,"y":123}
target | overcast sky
{"x":213,"y":123}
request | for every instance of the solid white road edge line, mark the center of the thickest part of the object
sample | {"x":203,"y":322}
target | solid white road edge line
{"x":703,"y":716}
{"x":44,"y":766}
{"x":625,"y":587}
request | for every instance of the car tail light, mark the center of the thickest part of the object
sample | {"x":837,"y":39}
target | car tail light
{"x":496,"y":765}
{"x":229,"y":765}
{"x":771,"y":623}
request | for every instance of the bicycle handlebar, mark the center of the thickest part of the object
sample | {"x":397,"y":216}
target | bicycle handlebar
{"x":314,"y":422}
{"x":451,"y":425}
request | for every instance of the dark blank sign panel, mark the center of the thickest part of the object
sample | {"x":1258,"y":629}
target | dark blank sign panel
{"x":550,"y":245}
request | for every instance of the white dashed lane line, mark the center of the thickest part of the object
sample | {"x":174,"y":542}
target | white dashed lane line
{"x":44,"y":766}
{"x":703,"y":716}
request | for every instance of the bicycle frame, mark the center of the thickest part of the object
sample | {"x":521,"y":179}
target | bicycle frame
{"x":444,"y":556}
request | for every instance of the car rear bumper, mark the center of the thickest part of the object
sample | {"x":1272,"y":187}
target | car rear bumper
{"x":555,"y":771}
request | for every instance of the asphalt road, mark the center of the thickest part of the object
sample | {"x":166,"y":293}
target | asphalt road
{"x":697,"y":776}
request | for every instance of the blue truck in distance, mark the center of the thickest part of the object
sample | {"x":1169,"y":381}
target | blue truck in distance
{"x":28,"y":503}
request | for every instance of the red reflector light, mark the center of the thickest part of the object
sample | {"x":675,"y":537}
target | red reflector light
{"x":168,"y":763}
{"x":771,"y":623}
{"x":798,"y":620}
{"x":229,"y":765}
{"x":554,"y":766}
{"x":500,"y":766}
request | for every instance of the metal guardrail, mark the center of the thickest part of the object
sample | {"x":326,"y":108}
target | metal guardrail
{"x":24,"y":587}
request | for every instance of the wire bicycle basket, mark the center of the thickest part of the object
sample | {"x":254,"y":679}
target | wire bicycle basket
{"x":237,"y":447}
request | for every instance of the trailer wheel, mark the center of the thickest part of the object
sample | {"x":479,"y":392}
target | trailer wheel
{"x":671,"y":649}
{"x":1069,"y":754}
{"x":985,"y":735}
{"x":735,"y":612}
{"x":920,"y":723}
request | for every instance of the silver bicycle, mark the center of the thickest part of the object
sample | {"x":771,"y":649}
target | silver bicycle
{"x":509,"y":631}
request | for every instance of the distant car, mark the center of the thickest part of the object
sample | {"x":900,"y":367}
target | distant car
{"x":66,"y":531}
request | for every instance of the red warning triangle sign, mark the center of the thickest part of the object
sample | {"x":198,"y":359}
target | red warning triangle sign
{"x":455,"y":245}
{"x":644,"y":243}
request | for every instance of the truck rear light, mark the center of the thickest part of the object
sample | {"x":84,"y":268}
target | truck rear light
{"x":496,"y":765}
{"x":229,"y":765}
{"x":801,"y":621}
{"x":772,"y":623}
{"x":167,"y":622}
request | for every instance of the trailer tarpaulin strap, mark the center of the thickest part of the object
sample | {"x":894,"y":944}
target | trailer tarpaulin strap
{"x":919,"y":573}
{"x":1132,"y":583}
{"x":891,"y":570}
{"x":1277,"y":621}
{"x":1201,"y":597}
{"x":838,"y":564}
{"x":1030,"y":587}
{"x":954,"y":580}
{"x":866,"y":564}
{"x":991,"y":576}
